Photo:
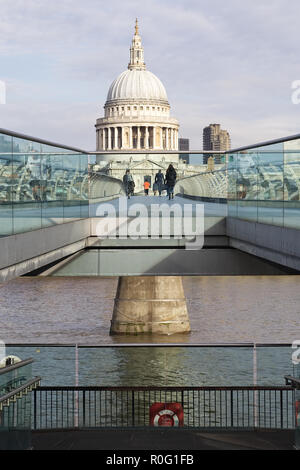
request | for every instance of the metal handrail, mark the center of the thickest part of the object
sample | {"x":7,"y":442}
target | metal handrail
{"x":203,"y":407}
{"x":29,"y":385}
{"x":263,"y":144}
{"x":90,"y":388}
{"x":155,"y":152}
{"x":293,"y":382}
{"x":37,"y":139}
{"x":147,"y":151}
{"x":11,"y":367}
{"x":152,"y":345}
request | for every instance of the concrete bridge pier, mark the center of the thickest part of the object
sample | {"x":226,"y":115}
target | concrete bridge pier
{"x":150,"y":304}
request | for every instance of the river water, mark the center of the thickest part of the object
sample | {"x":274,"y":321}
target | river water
{"x":233,"y":309}
{"x":43,"y":314}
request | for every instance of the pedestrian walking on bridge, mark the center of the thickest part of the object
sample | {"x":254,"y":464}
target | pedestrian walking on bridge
{"x":128,"y":183}
{"x":159,"y":180}
{"x":146,"y":187}
{"x":170,"y":180}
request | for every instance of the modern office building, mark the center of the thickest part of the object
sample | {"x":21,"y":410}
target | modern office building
{"x":184,"y":144}
{"x":215,"y":138}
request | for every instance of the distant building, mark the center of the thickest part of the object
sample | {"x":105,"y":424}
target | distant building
{"x":137,"y":118}
{"x":184,"y":145}
{"x":215,"y":138}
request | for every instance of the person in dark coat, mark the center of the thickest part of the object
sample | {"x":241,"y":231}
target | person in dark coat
{"x":170,"y":181}
{"x":128,"y":183}
{"x":159,"y":180}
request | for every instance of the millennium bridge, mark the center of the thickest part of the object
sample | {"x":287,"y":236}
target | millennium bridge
{"x":59,"y":217}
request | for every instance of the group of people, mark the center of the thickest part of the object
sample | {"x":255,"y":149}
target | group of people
{"x":161,"y":183}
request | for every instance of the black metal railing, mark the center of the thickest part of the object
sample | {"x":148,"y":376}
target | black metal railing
{"x":16,"y":407}
{"x":203,"y":407}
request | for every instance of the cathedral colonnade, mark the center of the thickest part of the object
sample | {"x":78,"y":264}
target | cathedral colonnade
{"x":137,"y":137}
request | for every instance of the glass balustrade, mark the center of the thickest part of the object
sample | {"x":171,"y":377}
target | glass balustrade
{"x":42,"y":184}
{"x":259,"y":184}
{"x":14,"y":376}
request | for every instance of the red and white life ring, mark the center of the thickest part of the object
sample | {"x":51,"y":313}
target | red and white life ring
{"x":161,"y":418}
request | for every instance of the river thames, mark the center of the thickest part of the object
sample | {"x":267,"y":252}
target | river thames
{"x":45,"y":318}
{"x":232,"y":309}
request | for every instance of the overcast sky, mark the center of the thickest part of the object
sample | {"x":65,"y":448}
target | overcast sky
{"x":231,"y":62}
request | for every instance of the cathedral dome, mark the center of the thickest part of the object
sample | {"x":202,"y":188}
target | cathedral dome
{"x":136,"y":111}
{"x":135,"y":84}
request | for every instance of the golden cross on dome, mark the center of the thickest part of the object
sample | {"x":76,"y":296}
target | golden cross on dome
{"x":136,"y":26}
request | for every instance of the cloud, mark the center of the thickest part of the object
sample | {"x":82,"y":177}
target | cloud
{"x":230,"y":62}
{"x":62,"y":123}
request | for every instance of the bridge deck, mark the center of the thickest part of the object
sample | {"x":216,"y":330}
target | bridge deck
{"x":230,"y":246}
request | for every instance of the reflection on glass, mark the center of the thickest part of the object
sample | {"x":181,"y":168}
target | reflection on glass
{"x":291,"y":209}
{"x":270,"y":178}
{"x":84,"y":186}
{"x":210,"y":183}
{"x":13,"y":379}
{"x":6,"y":185}
{"x":246,"y":186}
{"x":52,"y":207}
{"x":40,"y":185}
{"x":27,"y":195}
{"x":15,"y":406}
{"x":232,"y":185}
{"x":266,"y":184}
